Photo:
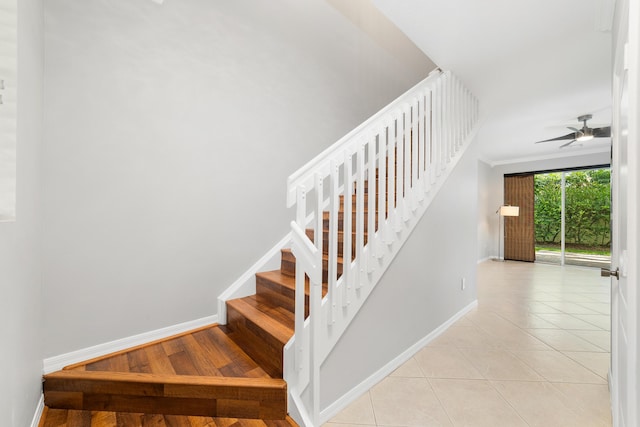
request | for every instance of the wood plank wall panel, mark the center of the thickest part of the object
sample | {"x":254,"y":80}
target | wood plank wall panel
{"x":519,"y":232}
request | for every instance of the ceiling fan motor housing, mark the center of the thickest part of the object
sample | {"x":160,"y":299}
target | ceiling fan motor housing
{"x":585,"y":118}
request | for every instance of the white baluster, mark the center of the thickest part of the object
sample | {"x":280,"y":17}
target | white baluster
{"x":437,"y":129}
{"x":315,"y":315}
{"x":460,"y":121}
{"x":448,"y":120}
{"x":406,"y":204}
{"x":399,"y":172}
{"x":444,"y":129}
{"x":301,"y":203}
{"x":415,"y":153}
{"x":428,"y":142}
{"x":421,"y":146}
{"x":319,"y":213}
{"x":346,"y":229}
{"x":454,"y":116}
{"x":468,"y":120}
{"x":382,"y":191}
{"x":360,"y":219}
{"x":391,"y":183}
{"x":371,"y":218}
{"x":332,"y":268}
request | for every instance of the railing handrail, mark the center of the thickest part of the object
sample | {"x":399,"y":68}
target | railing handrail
{"x":303,"y":173}
{"x":422,"y":135}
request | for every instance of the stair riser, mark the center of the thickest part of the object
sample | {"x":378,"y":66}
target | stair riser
{"x":354,"y":203}
{"x":281,"y":295}
{"x":155,"y":397}
{"x":256,"y":342}
{"x":325,"y":223}
{"x":325,"y":242}
{"x":227,"y":408}
{"x":288,"y":266}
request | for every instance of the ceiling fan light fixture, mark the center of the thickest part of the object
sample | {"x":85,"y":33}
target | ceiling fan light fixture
{"x":584,"y":137}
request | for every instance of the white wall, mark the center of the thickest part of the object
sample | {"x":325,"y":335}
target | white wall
{"x":170,"y":132}
{"x":20,"y":262}
{"x":488,"y":181}
{"x":8,"y":109}
{"x":420,"y":290}
{"x":491,"y":190}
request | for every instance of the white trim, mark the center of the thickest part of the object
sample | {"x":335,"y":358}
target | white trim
{"x":606,"y":149}
{"x":246,"y":284}
{"x":298,"y":411}
{"x":485,"y":160}
{"x":487,"y":258}
{"x":38,"y":414}
{"x":349,"y":397}
{"x":56,"y":363}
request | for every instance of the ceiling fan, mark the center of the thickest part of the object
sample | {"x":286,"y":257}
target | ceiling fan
{"x":584,"y":134}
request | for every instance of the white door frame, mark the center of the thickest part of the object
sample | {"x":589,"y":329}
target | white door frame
{"x":625,"y":374}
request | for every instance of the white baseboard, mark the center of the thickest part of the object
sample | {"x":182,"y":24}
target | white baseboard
{"x":349,"y":397}
{"x":38,"y":414}
{"x":56,"y":363}
{"x":246,"y":284}
{"x":480,"y":261}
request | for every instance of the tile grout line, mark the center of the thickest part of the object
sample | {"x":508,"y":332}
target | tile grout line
{"x":491,"y":383}
{"x":440,"y":401}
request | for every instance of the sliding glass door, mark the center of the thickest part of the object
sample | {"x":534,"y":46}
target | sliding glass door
{"x":572,"y":217}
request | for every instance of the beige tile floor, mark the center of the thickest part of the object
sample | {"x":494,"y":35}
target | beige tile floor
{"x":534,"y":353}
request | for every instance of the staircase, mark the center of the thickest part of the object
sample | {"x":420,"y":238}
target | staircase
{"x":234,"y":373}
{"x":215,"y":373}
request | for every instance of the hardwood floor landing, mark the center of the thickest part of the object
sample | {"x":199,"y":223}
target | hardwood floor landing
{"x":203,"y":352}
{"x":201,"y":373}
{"x":72,"y":418}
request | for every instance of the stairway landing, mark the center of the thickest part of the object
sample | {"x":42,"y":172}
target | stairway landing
{"x":201,"y":373}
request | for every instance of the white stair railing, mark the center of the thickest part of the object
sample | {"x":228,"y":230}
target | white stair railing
{"x":410,"y":147}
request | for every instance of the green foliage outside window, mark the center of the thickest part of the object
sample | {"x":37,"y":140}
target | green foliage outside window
{"x":588,"y":208}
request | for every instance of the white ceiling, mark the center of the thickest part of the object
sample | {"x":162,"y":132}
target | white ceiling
{"x":535,"y":65}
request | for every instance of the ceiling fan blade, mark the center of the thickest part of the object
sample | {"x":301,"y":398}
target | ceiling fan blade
{"x":573,"y":129}
{"x":571,"y":135}
{"x":568,"y":143}
{"x":604,"y":132}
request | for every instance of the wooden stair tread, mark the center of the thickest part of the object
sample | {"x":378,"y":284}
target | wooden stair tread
{"x":269,"y":316}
